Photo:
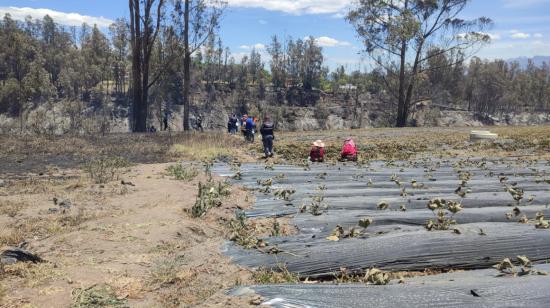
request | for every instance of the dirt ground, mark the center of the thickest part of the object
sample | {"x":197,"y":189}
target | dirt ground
{"x":139,"y":241}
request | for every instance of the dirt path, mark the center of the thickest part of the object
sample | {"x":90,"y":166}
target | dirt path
{"x":136,"y":241}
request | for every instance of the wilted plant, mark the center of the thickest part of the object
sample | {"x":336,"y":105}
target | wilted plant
{"x":365,"y":222}
{"x":382,"y":205}
{"x":377,"y":277}
{"x":238,"y":176}
{"x":276,"y":228}
{"x":444,"y":211}
{"x":516,"y":192}
{"x":394,"y":178}
{"x":541,"y":223}
{"x":318,"y":205}
{"x":265,"y":182}
{"x":339,"y":233}
{"x":284,"y":193}
{"x":208,"y":168}
{"x":506,"y":267}
{"x":322,"y":175}
{"x":416,"y":185}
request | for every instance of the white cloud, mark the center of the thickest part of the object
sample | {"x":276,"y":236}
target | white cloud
{"x":537,"y":35}
{"x":296,"y":7}
{"x":326,"y":41}
{"x":258,"y":46}
{"x":69,"y":19}
{"x":262,"y":22}
{"x":519,"y":35}
{"x":494,"y":36}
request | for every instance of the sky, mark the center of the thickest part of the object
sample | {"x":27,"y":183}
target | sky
{"x":521,"y":27}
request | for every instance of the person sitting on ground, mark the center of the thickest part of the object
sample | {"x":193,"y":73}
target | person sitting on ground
{"x":317,"y":153}
{"x":349,"y":150}
{"x":152,"y":129}
{"x":267,"y":136}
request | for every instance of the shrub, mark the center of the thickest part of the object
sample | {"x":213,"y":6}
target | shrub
{"x":179,"y":172}
{"x":209,"y":196}
{"x":105,"y":169}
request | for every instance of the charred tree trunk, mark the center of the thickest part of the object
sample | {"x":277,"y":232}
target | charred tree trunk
{"x":186,"y":68}
{"x":142,"y":41}
{"x":139,"y":115}
{"x":401,"y":117}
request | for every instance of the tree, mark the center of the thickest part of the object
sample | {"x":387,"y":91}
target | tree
{"x":198,"y":23}
{"x":119,"y":39}
{"x":398,"y":34}
{"x":312,"y":64}
{"x":277,"y":64}
{"x":144,"y":29}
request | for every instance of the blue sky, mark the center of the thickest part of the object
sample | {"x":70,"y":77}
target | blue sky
{"x":522,"y":27}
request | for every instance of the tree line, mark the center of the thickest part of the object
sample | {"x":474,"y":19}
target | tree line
{"x":165,"y":51}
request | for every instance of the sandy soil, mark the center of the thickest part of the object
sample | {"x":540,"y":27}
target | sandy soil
{"x":139,"y":240}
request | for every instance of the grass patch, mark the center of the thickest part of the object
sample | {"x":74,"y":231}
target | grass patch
{"x":165,"y":271}
{"x":42,"y":226}
{"x":11,"y":236}
{"x":268,"y":276}
{"x":10,"y":208}
{"x":34,"y":274}
{"x":181,"y":173}
{"x":102,"y":295}
{"x":201,"y":152}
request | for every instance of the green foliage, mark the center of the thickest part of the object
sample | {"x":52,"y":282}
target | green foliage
{"x":210,"y":195}
{"x":244,"y":233}
{"x":104,"y":169}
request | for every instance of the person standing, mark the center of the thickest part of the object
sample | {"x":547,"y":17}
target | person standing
{"x":267,"y":136}
{"x":165,"y":120}
{"x":199,"y":123}
{"x":232,"y":124}
{"x":243,"y":126}
{"x":250,"y":129}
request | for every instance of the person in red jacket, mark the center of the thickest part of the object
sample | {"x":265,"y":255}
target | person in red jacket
{"x":317,"y":153}
{"x":349,"y":150}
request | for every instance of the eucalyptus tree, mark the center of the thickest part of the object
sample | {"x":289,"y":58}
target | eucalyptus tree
{"x":399,"y":34}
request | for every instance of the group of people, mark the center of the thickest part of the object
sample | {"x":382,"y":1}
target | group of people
{"x":248,"y":126}
{"x":348,"y":152}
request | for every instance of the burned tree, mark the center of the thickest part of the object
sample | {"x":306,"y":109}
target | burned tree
{"x":144,"y":29}
{"x":198,"y":20}
{"x":399,"y":35}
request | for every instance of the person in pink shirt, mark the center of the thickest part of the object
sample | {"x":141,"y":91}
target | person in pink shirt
{"x":349,"y":150}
